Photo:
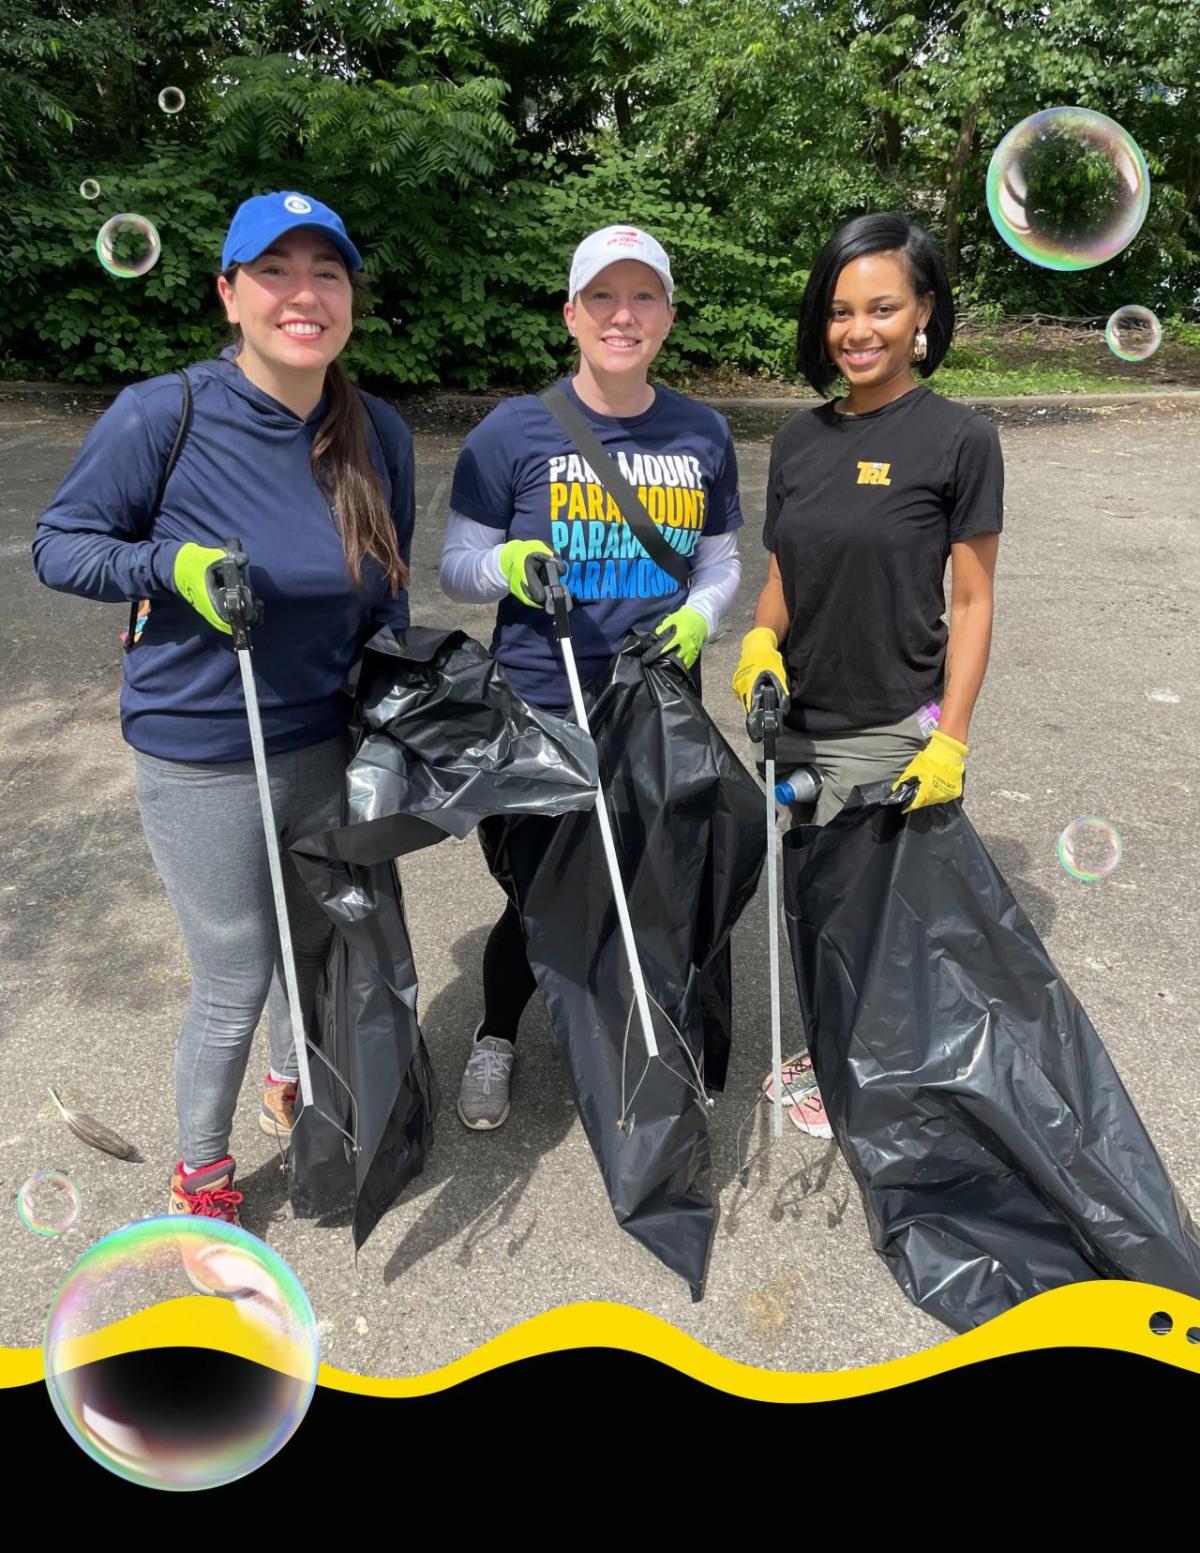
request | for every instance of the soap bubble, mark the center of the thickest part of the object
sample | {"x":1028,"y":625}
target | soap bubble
{"x":171,"y":99}
{"x":1133,"y":333}
{"x":1089,"y":848}
{"x":165,"y":1384}
{"x":90,"y":189}
{"x":1068,"y":188}
{"x":48,"y":1203}
{"x":128,"y":245}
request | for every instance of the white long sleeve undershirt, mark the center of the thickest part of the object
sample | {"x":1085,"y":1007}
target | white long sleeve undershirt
{"x":470,"y":569}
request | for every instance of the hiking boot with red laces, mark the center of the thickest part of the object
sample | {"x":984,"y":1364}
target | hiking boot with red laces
{"x":208,"y":1192}
{"x":278,"y":1108}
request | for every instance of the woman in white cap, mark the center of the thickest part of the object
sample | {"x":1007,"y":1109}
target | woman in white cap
{"x":316,"y":480}
{"x":522,"y":490}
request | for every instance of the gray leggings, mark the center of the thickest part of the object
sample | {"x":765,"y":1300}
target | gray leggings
{"x":204,"y":827}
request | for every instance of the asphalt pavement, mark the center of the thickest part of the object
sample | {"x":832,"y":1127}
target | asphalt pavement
{"x":1091,"y":707}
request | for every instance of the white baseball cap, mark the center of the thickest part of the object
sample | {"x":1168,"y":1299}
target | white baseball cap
{"x":609,"y":246}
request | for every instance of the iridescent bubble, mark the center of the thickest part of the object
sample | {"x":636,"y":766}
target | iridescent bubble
{"x":1068,"y":188}
{"x":171,"y":99}
{"x":1133,"y":333}
{"x":128,"y":245}
{"x":1089,"y":848}
{"x":90,"y":189}
{"x":181,"y":1352}
{"x":48,"y":1203}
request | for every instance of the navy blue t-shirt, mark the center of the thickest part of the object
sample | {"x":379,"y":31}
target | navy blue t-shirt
{"x":521,"y":474}
{"x":244,"y":473}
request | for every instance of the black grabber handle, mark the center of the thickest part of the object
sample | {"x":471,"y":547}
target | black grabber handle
{"x":233,"y":599}
{"x":557,"y":601}
{"x":762,"y":724}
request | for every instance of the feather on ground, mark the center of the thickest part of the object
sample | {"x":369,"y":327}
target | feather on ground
{"x":94,"y":1133}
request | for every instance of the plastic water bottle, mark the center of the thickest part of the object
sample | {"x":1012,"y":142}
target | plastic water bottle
{"x":803,"y":786}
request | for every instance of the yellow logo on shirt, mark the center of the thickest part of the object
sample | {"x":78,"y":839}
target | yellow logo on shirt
{"x":873,"y":474}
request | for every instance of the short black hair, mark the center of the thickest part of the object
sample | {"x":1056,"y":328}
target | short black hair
{"x":882,"y":232}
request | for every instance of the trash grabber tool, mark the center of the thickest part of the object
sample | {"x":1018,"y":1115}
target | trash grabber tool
{"x":762,"y":725}
{"x":558,"y":604}
{"x":236,"y":604}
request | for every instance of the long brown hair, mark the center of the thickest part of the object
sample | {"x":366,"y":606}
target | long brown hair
{"x":343,"y":468}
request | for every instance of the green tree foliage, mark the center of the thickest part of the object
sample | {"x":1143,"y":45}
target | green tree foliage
{"x":470,"y":145}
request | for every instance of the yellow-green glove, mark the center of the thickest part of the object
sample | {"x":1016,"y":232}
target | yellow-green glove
{"x":526,"y":577}
{"x":760,"y":655}
{"x":195,"y":582}
{"x":939,"y":768}
{"x":683,"y":633}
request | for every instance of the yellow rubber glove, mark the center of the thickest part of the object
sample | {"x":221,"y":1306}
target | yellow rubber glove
{"x":939,"y":768}
{"x":760,"y":655}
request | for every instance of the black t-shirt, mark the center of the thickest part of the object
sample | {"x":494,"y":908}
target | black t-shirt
{"x":861,"y":513}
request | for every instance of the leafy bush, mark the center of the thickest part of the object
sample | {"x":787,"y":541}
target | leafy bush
{"x":469,"y":147}
{"x":476,"y":301}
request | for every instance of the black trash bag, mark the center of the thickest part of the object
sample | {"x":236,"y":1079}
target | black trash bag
{"x":377,"y":1087}
{"x":687,"y":822}
{"x":997,"y":1152}
{"x":444,"y":742}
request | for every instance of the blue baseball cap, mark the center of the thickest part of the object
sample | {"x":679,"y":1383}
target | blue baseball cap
{"x":259,"y":221}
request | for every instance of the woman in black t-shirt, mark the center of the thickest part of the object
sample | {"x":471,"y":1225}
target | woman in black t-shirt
{"x":868,"y":497}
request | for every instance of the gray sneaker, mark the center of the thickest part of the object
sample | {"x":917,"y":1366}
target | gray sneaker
{"x":483,"y":1098}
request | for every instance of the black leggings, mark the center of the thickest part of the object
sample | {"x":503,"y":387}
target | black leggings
{"x":508,"y":982}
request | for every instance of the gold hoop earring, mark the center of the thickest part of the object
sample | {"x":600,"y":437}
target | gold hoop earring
{"x":920,"y":346}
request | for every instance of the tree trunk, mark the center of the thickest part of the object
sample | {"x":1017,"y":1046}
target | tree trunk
{"x":954,"y":182}
{"x":624,"y":114}
{"x":887,"y":153}
{"x":1190,"y":184}
{"x":699,"y":161}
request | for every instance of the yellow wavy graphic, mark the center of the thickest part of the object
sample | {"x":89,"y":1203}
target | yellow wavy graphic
{"x":1112,"y":1315}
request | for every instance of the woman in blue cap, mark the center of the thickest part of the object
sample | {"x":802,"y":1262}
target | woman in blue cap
{"x":316,"y":480}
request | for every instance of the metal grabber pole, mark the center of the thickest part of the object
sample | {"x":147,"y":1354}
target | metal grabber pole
{"x":558,"y":604}
{"x":237,"y":605}
{"x":762,"y":725}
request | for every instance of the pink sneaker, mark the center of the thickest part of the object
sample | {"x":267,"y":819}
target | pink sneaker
{"x":801,"y":1097}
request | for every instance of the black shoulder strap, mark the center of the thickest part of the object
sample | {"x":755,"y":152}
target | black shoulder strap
{"x":608,"y":472}
{"x":387,"y":463}
{"x":181,"y":435}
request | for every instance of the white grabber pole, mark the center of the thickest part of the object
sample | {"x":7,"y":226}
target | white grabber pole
{"x":237,"y":604}
{"x":763,"y":725}
{"x":558,"y":604}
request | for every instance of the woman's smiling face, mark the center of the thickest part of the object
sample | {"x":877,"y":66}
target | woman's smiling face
{"x":294,"y":303}
{"x":621,"y":318}
{"x":873,"y":318}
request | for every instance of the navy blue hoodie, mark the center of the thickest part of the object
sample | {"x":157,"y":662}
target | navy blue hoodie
{"x":244,"y":472}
